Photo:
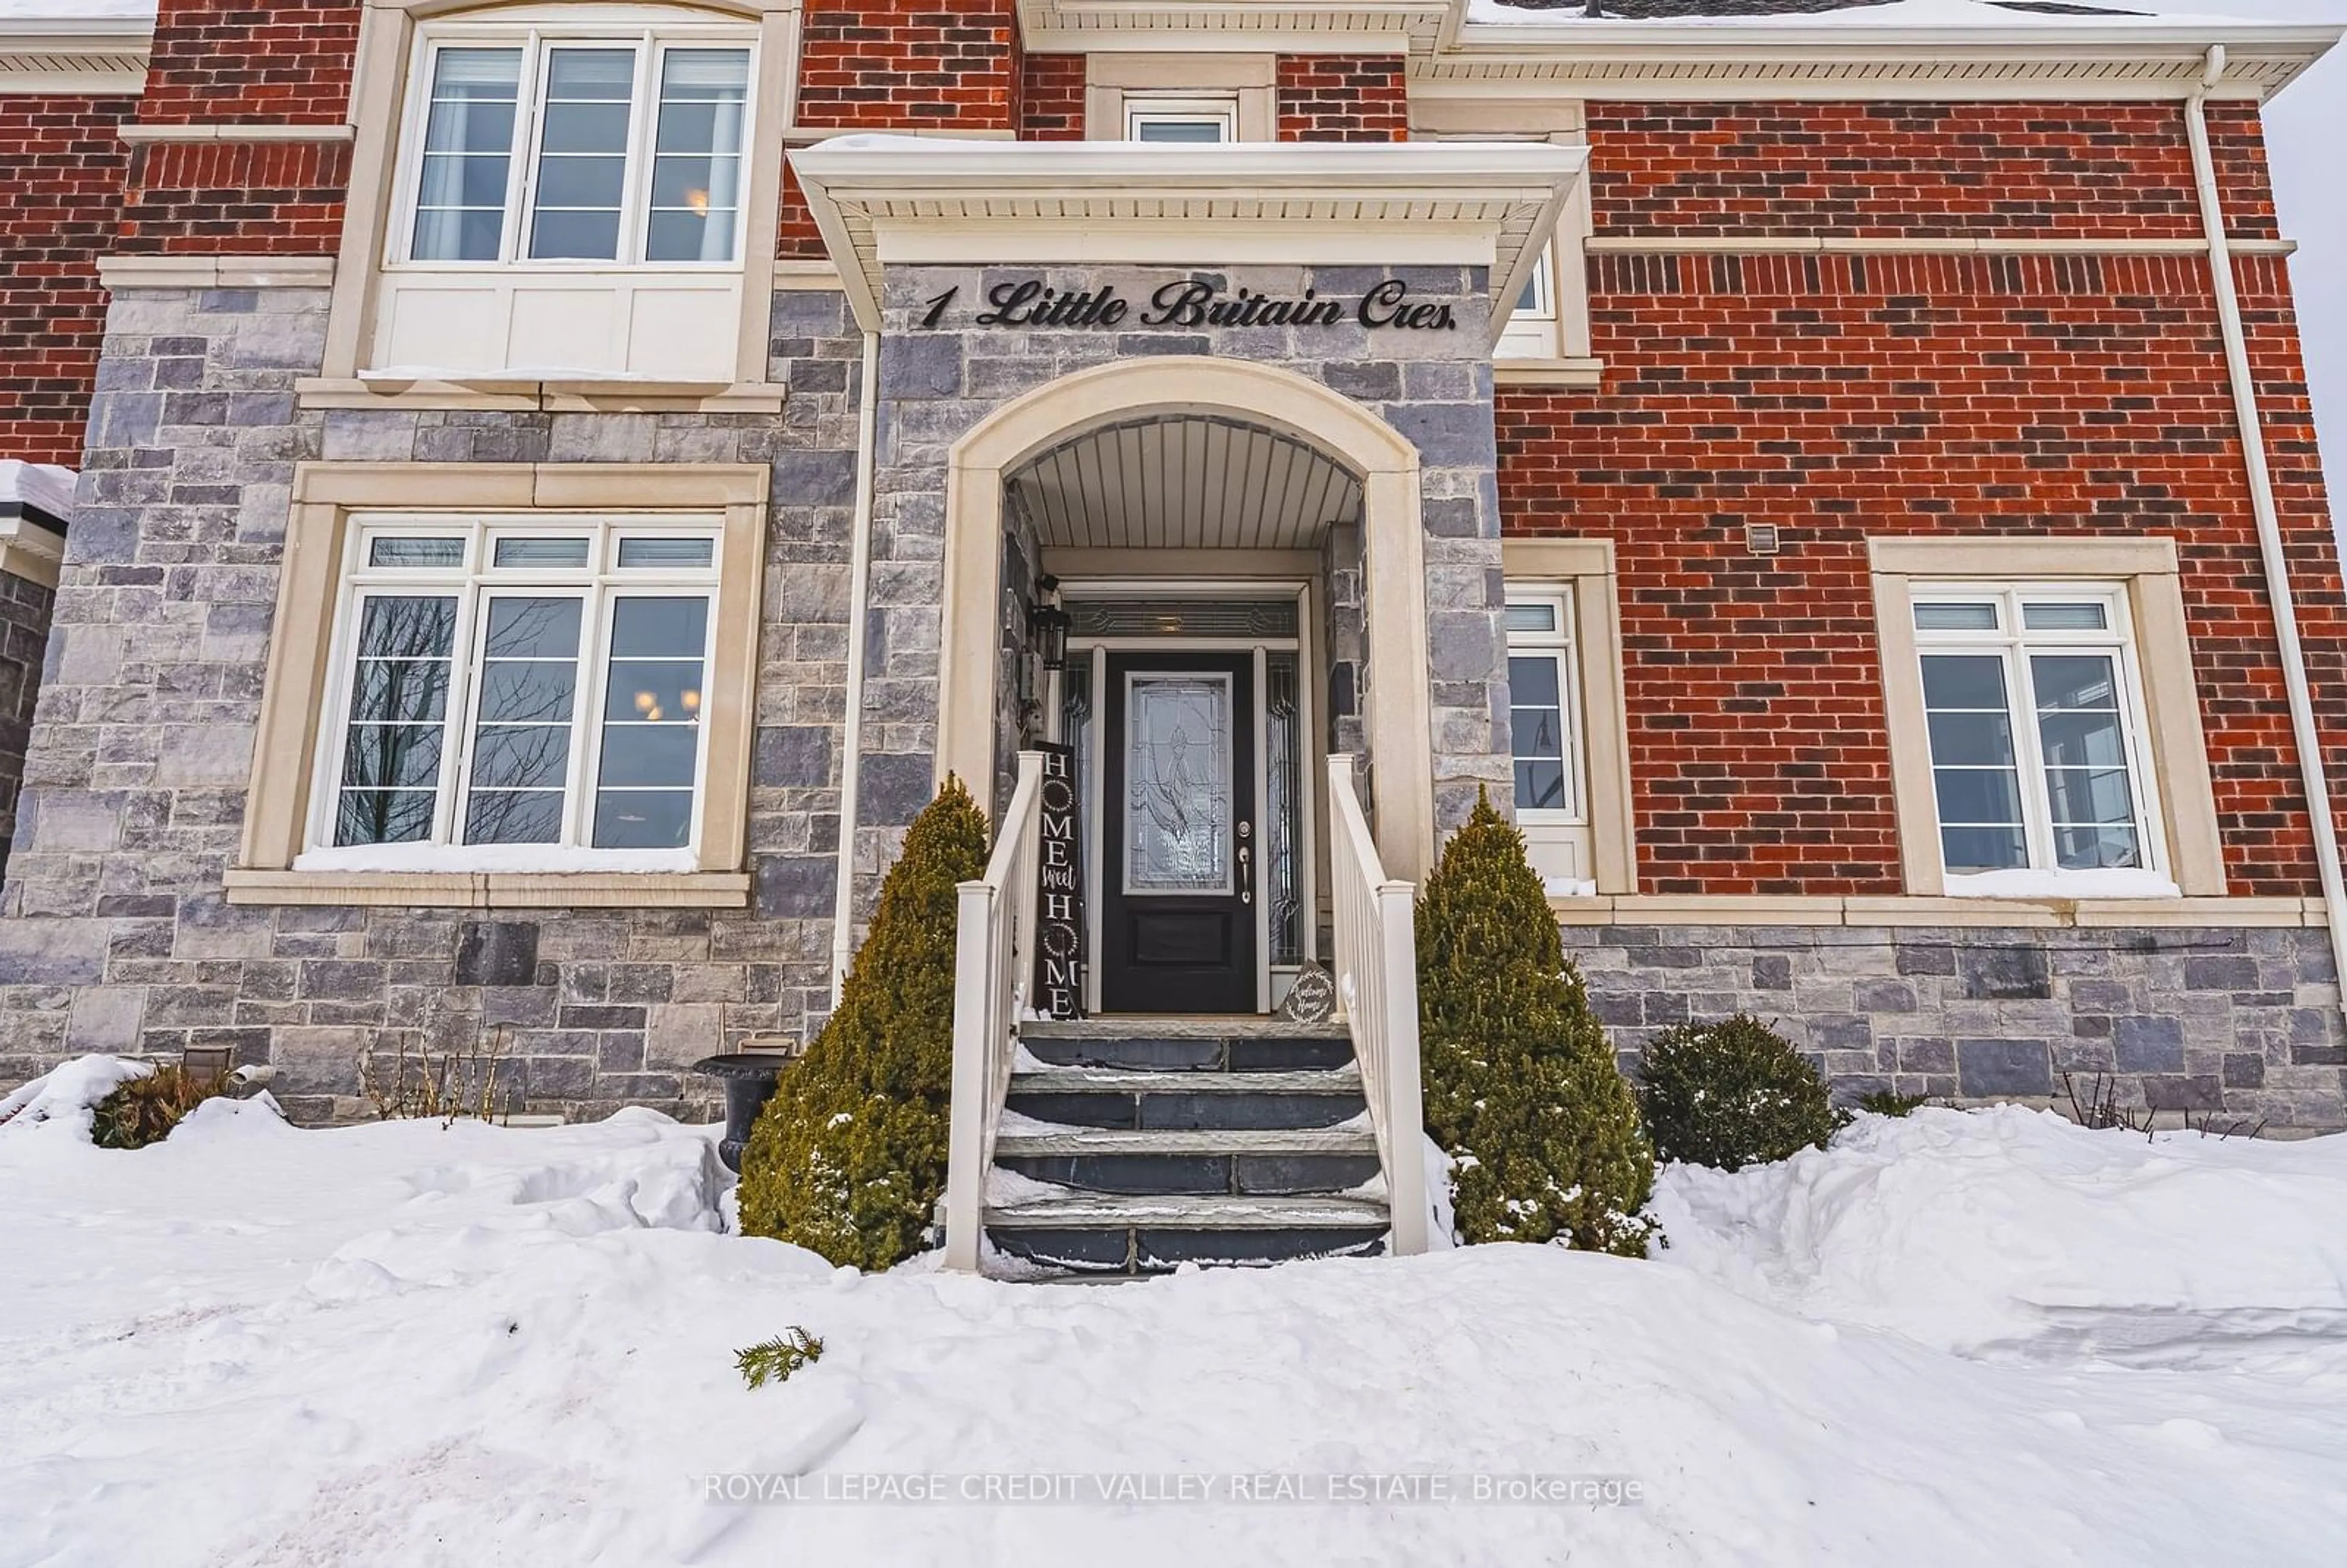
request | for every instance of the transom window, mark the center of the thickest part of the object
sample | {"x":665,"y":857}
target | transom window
{"x":1184,"y":119}
{"x":518,"y":695}
{"x":2036,"y":714}
{"x":1543,"y":697}
{"x":527,"y":146}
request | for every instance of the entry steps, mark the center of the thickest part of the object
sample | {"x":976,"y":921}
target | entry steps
{"x":1142,"y":1143}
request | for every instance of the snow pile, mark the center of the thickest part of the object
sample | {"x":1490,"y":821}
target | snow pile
{"x":410,"y":1343}
{"x":63,"y":1098}
{"x":2013,"y":1228}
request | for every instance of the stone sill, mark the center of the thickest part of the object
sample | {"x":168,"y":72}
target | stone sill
{"x":140,"y":271}
{"x":1729,"y":909}
{"x":495,"y":890}
{"x":537,"y":397}
{"x":1557,"y":374}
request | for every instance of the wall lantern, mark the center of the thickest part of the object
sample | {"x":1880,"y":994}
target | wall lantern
{"x":1047,"y":628}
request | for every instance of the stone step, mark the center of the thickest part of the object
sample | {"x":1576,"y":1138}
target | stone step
{"x":1236,"y":1161}
{"x":1102,"y":1236}
{"x":1214,"y":1044}
{"x":1109,"y":1098}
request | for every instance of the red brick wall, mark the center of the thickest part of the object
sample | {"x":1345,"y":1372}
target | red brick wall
{"x":251,"y":61}
{"x":901,"y":65}
{"x":909,"y":63}
{"x":1051,"y":99}
{"x":1900,"y":168}
{"x":61,"y":167}
{"x":236,"y":197}
{"x":243,"y":62}
{"x":1838,"y":398}
{"x":1343,"y":98}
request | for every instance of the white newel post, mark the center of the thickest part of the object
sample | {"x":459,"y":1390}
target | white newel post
{"x":993,"y":949}
{"x":1377,"y":980}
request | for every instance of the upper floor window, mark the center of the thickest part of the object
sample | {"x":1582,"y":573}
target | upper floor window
{"x":2035,"y":712}
{"x":537,"y":146}
{"x":518,"y":694}
{"x":1211,"y":118}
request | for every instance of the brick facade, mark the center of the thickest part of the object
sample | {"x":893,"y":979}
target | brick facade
{"x":61,"y":166}
{"x":1051,"y":99}
{"x":1343,"y":98}
{"x":2119,"y":169}
{"x":252,"y":62}
{"x":1834,"y":396}
{"x":236,"y":197}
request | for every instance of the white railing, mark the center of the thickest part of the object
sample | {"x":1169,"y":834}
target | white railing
{"x":1377,"y":980}
{"x":994,"y":961}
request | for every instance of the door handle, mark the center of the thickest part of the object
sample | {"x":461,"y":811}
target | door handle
{"x":1246,"y":856}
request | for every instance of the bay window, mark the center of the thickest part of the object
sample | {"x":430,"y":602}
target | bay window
{"x":573,"y":149}
{"x":524,"y":694}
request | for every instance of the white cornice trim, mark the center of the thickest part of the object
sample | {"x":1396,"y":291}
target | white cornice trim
{"x":879,"y":200}
{"x":1275,"y":26}
{"x":72,"y":55}
{"x":1797,"y":58}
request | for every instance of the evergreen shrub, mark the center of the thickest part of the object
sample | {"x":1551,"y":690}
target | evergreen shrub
{"x":1731,"y":1094}
{"x":848,"y":1158}
{"x":1522,"y":1090}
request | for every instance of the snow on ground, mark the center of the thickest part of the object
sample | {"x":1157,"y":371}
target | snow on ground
{"x":413,"y":1344}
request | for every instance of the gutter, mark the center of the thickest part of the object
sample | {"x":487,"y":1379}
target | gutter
{"x":2303,"y":730}
{"x":859,"y":581}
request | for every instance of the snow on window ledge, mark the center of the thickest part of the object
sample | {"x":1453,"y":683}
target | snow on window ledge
{"x":1570,"y":888}
{"x":2114,"y":884}
{"x":485,"y":859}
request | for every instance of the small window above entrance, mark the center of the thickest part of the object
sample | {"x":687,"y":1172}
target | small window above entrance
{"x":1209,"y":118}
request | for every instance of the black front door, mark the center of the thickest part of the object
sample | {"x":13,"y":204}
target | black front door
{"x":1178,"y":867}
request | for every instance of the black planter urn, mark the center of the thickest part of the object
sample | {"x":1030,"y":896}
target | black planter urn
{"x":749,"y":1079}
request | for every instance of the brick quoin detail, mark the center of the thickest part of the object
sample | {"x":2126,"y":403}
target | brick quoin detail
{"x":251,"y":61}
{"x":1840,"y":397}
{"x":232,"y":197}
{"x":1901,"y":168}
{"x":1343,"y":98}
{"x":1051,"y":99}
{"x":61,"y":164}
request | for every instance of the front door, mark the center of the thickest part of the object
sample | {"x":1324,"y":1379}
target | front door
{"x":1178,"y":871}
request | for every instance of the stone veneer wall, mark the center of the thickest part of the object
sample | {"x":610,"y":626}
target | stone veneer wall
{"x":114,"y":932}
{"x":2241,"y":1022}
{"x":1433,"y":388}
{"x":25,"y":608}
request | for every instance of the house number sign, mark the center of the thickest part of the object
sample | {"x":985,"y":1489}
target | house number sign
{"x":1388,"y":306}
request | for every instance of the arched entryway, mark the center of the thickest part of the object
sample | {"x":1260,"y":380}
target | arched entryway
{"x":1183,"y":500}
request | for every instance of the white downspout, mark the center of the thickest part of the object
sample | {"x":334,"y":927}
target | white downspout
{"x":859,"y":578}
{"x":2262,"y":503}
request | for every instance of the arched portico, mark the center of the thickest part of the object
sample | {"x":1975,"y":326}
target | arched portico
{"x":1396,"y":715}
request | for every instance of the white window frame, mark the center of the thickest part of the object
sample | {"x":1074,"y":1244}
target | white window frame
{"x":650,"y":41}
{"x":474,"y":584}
{"x":2015,"y":645}
{"x":1532,"y":332}
{"x":1219,"y":110}
{"x":1559,"y":839}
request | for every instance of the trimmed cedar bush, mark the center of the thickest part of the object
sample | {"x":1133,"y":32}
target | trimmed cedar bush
{"x":1731,"y":1094}
{"x":143,"y":1110}
{"x":1522,"y":1089}
{"x":848,"y":1158}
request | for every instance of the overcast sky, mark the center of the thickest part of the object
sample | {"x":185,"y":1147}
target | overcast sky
{"x":2306,"y":136}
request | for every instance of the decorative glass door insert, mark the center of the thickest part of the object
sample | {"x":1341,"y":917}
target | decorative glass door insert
{"x":1178,"y":783}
